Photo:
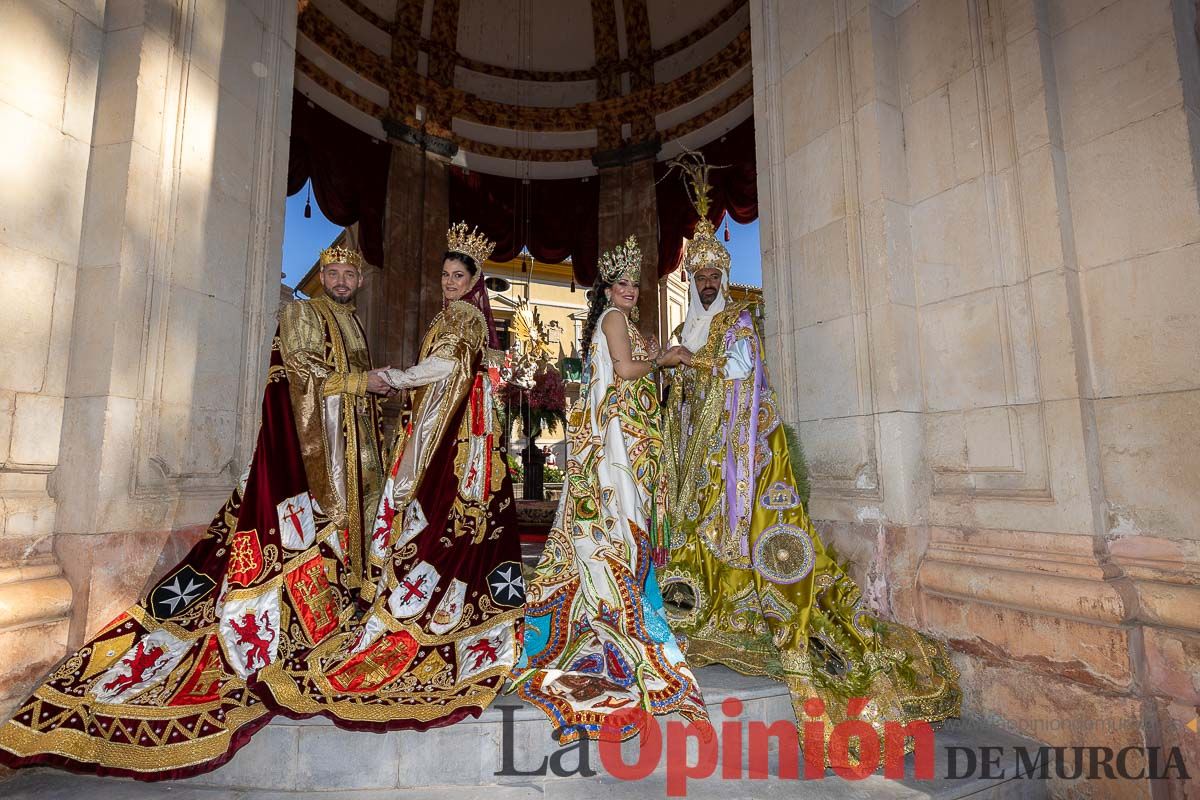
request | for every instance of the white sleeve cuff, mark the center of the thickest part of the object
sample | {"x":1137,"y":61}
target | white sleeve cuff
{"x":427,"y":370}
{"x":738,"y":364}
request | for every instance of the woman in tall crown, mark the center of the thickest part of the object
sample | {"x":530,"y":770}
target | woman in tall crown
{"x":596,"y":639}
{"x":441,"y":633}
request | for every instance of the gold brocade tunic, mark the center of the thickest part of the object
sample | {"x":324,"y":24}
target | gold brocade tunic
{"x":327,"y":360}
{"x":749,"y":583}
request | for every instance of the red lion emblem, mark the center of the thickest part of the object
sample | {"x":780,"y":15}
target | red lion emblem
{"x":484,"y":652}
{"x":139,"y":664}
{"x":384,"y":523}
{"x":248,"y":632}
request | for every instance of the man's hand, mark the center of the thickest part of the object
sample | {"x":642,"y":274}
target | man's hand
{"x":675,"y":356}
{"x":377,"y":385}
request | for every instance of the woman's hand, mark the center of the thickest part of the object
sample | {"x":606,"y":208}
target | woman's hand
{"x":652,"y":348}
{"x":685,"y":355}
{"x":674,"y":357}
{"x":377,"y":382}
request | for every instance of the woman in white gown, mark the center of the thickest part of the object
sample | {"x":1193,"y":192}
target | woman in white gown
{"x":596,"y":638}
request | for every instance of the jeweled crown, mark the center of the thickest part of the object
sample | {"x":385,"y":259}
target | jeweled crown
{"x":704,"y":250}
{"x":470,"y":243}
{"x":341,"y":255}
{"x":623,"y":261}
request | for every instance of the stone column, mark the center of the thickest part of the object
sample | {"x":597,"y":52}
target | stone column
{"x":177,"y":286}
{"x":418,"y":214}
{"x":1124,"y":121}
{"x":976,"y":219}
{"x":838,"y":279}
{"x":628,"y":206}
{"x":50,"y":62}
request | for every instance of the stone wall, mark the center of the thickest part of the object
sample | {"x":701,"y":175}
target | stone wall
{"x":48,"y":71}
{"x":141,"y":215}
{"x":980,"y":223}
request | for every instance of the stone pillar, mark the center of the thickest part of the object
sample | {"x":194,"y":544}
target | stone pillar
{"x":144,"y":227}
{"x":976,"y":219}
{"x":628,"y":206}
{"x":50,"y":63}
{"x":838,"y":277}
{"x":418,"y":214}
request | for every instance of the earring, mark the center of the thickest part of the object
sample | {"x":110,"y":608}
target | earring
{"x":635,"y":314}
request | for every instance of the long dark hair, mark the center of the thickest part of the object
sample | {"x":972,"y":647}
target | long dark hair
{"x":597,"y":306}
{"x":462,"y":258}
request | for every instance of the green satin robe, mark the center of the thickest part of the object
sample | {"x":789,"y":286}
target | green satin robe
{"x":749,"y":583}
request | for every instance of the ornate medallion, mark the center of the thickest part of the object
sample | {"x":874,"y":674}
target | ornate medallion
{"x":784,"y":554}
{"x":683,"y":599}
{"x":780,"y":496}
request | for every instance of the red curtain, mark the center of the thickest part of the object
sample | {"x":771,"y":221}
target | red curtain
{"x":553,"y":218}
{"x":348,"y":168}
{"x":734,"y":190}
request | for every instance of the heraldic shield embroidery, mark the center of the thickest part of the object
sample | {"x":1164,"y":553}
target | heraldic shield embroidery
{"x":264,"y":616}
{"x":166,"y":689}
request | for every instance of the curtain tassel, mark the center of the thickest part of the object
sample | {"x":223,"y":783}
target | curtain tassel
{"x":727,"y":229}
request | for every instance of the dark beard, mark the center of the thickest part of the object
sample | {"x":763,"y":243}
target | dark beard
{"x":340,"y":301}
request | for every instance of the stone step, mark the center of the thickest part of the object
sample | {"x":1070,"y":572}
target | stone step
{"x":291,"y":758}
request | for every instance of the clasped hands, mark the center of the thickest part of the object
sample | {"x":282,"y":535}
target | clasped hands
{"x":671,"y":357}
{"x":377,"y":385}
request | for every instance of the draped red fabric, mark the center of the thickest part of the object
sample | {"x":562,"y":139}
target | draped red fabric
{"x":477,"y":296}
{"x":553,"y":218}
{"x":348,"y":168}
{"x":734,"y":190}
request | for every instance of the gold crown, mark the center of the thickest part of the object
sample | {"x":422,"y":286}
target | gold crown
{"x":341,"y":255}
{"x":473,"y":243}
{"x":623,"y":261}
{"x":705,"y":251}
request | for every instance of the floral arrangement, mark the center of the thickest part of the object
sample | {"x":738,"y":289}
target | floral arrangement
{"x":542,"y":406}
{"x":516,"y":470}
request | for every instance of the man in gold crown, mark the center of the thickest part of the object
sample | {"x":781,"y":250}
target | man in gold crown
{"x":335,"y":395}
{"x":748,"y":583}
{"x":176,"y":683}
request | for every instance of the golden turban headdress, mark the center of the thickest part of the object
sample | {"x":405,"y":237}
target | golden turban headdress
{"x":704,"y":250}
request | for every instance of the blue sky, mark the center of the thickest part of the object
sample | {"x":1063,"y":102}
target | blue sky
{"x":304,"y":238}
{"x":743,"y":247}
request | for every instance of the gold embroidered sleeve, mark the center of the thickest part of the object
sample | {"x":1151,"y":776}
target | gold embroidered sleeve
{"x":353,"y":382}
{"x":302,"y":339}
{"x":462,"y":326}
{"x":711,"y":364}
{"x":457,"y":336}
